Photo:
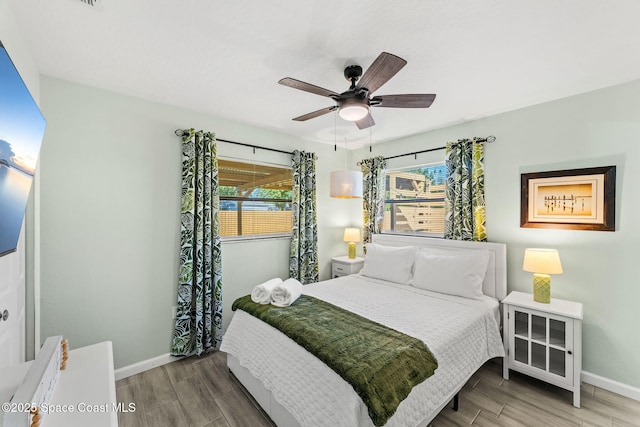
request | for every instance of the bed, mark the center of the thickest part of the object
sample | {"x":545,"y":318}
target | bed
{"x":297,"y":389}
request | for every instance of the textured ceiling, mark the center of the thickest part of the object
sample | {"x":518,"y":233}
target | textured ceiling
{"x":480,"y":57}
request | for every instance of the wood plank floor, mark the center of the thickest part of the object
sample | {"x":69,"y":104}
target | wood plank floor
{"x":199,"y":392}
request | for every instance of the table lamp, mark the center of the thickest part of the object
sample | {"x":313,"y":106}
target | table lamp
{"x":352,"y":235}
{"x":542,"y":263}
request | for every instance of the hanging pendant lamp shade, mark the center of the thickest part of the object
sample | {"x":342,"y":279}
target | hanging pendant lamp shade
{"x":346,"y":184}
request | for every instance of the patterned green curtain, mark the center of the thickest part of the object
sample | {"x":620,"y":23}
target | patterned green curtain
{"x":199,"y":315}
{"x":373,"y":189}
{"x":303,"y":260}
{"x":465,"y":214}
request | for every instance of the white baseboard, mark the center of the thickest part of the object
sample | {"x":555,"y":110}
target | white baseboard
{"x":611,"y":385}
{"x":145,"y":365}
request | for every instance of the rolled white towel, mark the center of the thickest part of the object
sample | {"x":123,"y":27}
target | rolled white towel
{"x":286,"y":293}
{"x":261,"y":294}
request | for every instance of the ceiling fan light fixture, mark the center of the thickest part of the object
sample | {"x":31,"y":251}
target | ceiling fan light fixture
{"x":354,"y":104}
{"x":353,"y":110}
{"x":353,"y":113}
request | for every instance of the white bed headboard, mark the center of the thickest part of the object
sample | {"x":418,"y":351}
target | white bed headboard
{"x":495,"y":280}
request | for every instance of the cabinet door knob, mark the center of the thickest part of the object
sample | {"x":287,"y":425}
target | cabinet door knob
{"x":569,"y":351}
{"x":5,"y":315}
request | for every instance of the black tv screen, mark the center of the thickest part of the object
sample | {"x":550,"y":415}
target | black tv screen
{"x":21,"y":130}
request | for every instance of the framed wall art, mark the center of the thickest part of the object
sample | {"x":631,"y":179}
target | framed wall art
{"x":576,"y":199}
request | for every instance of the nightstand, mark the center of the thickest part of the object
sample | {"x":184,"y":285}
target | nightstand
{"x":343,"y":266}
{"x":544,"y":340}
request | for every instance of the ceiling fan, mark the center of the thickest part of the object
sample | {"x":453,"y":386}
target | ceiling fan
{"x":354,"y":104}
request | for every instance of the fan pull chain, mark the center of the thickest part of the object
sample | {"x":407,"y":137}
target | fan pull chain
{"x":335,"y":131}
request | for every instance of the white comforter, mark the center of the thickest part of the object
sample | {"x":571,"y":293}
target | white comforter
{"x":462,"y":334}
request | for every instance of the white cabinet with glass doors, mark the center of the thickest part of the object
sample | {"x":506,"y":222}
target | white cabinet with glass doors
{"x":544,"y":340}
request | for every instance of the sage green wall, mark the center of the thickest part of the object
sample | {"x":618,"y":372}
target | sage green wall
{"x":599,"y":128}
{"x":110,"y":192}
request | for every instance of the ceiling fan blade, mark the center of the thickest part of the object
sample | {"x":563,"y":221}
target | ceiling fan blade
{"x":383,"y":68}
{"x":315,"y":114}
{"x":404,"y":101}
{"x":307,"y":87}
{"x":365,"y":122}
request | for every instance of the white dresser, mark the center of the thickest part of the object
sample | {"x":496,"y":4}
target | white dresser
{"x":85,"y":394}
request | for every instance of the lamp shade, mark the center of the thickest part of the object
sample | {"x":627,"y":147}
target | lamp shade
{"x":351,"y":235}
{"x":546,"y":261}
{"x":346,"y":184}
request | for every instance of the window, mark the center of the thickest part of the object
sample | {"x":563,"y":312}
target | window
{"x":255,"y":199}
{"x":414,"y":200}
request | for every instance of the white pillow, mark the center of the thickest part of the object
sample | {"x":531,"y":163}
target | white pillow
{"x":454,"y":274}
{"x":394,"y":264}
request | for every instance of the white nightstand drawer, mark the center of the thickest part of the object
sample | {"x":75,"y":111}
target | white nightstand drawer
{"x":340,"y":268}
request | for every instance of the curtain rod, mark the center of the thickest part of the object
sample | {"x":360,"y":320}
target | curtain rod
{"x":180,"y":132}
{"x":488,"y":139}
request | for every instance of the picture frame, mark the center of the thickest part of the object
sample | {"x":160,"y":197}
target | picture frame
{"x":574,"y":199}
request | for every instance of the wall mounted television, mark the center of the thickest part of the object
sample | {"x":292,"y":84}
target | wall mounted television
{"x":21,"y":131}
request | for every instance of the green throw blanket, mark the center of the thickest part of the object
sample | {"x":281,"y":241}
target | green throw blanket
{"x":381,"y":364}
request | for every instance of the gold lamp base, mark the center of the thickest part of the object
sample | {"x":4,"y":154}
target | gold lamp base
{"x":542,"y":288}
{"x":352,"y":250}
